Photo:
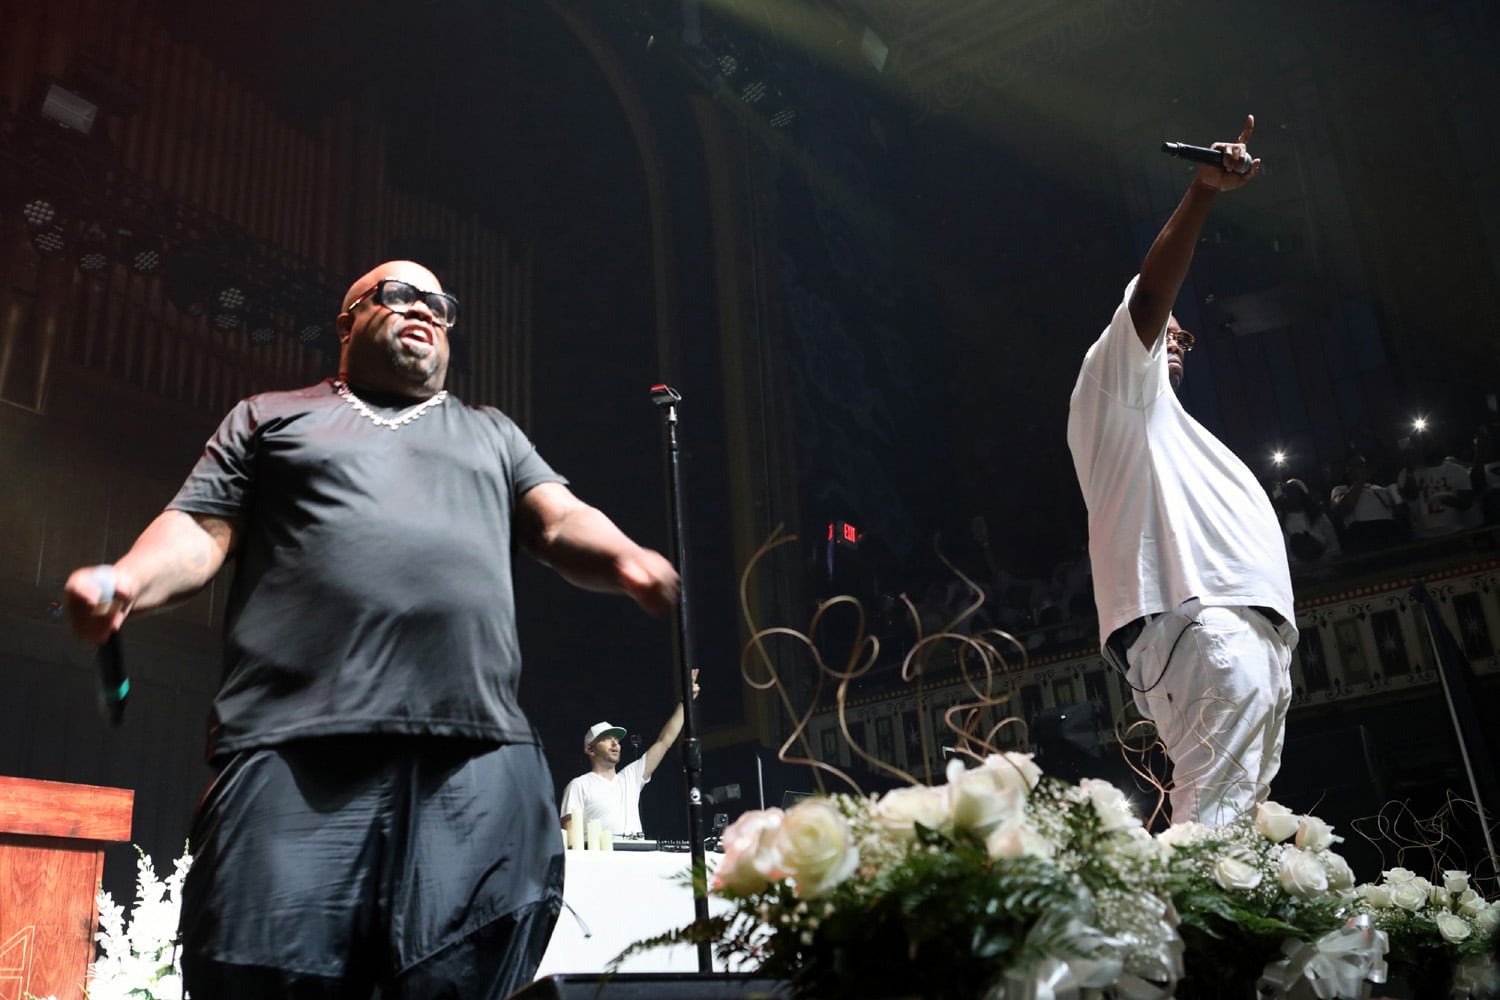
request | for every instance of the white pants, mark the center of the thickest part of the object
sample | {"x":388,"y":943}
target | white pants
{"x":1216,"y":681}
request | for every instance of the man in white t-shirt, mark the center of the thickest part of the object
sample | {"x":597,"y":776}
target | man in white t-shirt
{"x":1438,"y":491}
{"x":610,"y":793}
{"x":1190,"y":573}
{"x":1371,"y":514}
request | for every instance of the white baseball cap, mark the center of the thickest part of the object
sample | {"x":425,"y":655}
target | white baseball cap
{"x":598,"y":731}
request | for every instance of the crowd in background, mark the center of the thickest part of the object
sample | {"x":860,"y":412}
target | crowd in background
{"x":1384,"y":505}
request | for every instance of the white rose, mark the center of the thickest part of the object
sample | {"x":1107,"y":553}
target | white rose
{"x":1111,"y":805}
{"x":1452,"y":928}
{"x":1232,"y":873}
{"x":899,"y":811}
{"x":1013,"y":769}
{"x":1471,"y":903}
{"x":1409,"y":896}
{"x":1138,"y":843}
{"x":1379,"y":896}
{"x":1487,"y":919}
{"x":1439,"y":896}
{"x":1016,"y":840}
{"x":815,"y":847}
{"x":1456,"y":881}
{"x":750,"y":861}
{"x":1187,"y":832}
{"x":1315,"y":835}
{"x":1275,"y":821}
{"x":978,"y":802}
{"x":1396,"y":876}
{"x":1340,"y":875}
{"x":1301,"y":874}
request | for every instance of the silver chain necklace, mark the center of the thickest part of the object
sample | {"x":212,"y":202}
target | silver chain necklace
{"x":390,"y":423}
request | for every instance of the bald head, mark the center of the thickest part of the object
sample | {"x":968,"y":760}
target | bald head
{"x":403,"y":352}
{"x":406,"y":270}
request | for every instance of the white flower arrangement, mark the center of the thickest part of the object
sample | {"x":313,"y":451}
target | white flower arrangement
{"x":1001,"y":881}
{"x":138,"y":959}
{"x":1439,"y":930}
{"x":993,"y":882}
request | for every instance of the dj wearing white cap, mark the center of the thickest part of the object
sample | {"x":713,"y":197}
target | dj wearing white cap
{"x":609,"y":793}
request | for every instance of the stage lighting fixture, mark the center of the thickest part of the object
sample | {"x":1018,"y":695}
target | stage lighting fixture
{"x":1278,"y":457}
{"x":728,"y":65}
{"x":262,"y":329}
{"x":783,"y":118}
{"x":50,"y":241}
{"x":39,"y":211}
{"x":754,"y":92}
{"x":140,"y":251}
{"x":69,"y":110}
{"x":93,"y":250}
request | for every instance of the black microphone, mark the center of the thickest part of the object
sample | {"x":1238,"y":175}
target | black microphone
{"x":114,"y":685}
{"x":1201,"y":154}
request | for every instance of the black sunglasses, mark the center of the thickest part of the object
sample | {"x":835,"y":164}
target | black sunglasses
{"x":399,"y":296}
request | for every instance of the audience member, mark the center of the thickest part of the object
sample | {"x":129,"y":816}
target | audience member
{"x":1306,"y":528}
{"x":1437,"y":491}
{"x":1373,"y":516}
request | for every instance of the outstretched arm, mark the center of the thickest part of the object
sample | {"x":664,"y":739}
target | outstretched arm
{"x":175,"y":557}
{"x":657,"y":751}
{"x":1166,"y":264}
{"x":589,"y":551}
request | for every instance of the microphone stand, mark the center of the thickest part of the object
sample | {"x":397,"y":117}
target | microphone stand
{"x":667,"y":399}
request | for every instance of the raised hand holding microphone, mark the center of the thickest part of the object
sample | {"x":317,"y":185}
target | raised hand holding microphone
{"x":97,"y":610}
{"x":1232,"y":159}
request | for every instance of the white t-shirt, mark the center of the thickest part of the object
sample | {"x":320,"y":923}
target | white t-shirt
{"x":615,"y":804}
{"x":1173,"y":514}
{"x":1375,"y":503}
{"x":1429,"y":516}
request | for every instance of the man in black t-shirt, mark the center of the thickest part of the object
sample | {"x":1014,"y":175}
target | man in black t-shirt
{"x":382,"y":816}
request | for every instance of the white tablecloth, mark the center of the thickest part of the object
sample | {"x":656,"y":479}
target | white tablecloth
{"x":621,"y":897}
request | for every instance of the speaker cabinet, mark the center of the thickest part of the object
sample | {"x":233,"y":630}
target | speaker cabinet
{"x":655,"y":986}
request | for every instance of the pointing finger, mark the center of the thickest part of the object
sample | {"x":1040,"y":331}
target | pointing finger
{"x":1248,"y":129}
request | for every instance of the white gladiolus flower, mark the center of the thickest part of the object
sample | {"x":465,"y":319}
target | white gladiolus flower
{"x":816,"y":847}
{"x":1275,"y":821}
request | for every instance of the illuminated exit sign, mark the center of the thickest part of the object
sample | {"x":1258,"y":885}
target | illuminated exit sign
{"x":843,"y":533}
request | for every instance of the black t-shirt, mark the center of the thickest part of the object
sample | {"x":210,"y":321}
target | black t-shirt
{"x":373,"y":590}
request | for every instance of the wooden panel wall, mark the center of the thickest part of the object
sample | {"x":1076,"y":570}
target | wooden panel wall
{"x":320,"y":196}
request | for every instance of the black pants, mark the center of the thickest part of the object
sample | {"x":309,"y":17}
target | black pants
{"x":331,"y":867}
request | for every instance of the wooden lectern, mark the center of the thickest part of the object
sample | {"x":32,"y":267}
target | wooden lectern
{"x":52,"y":838}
